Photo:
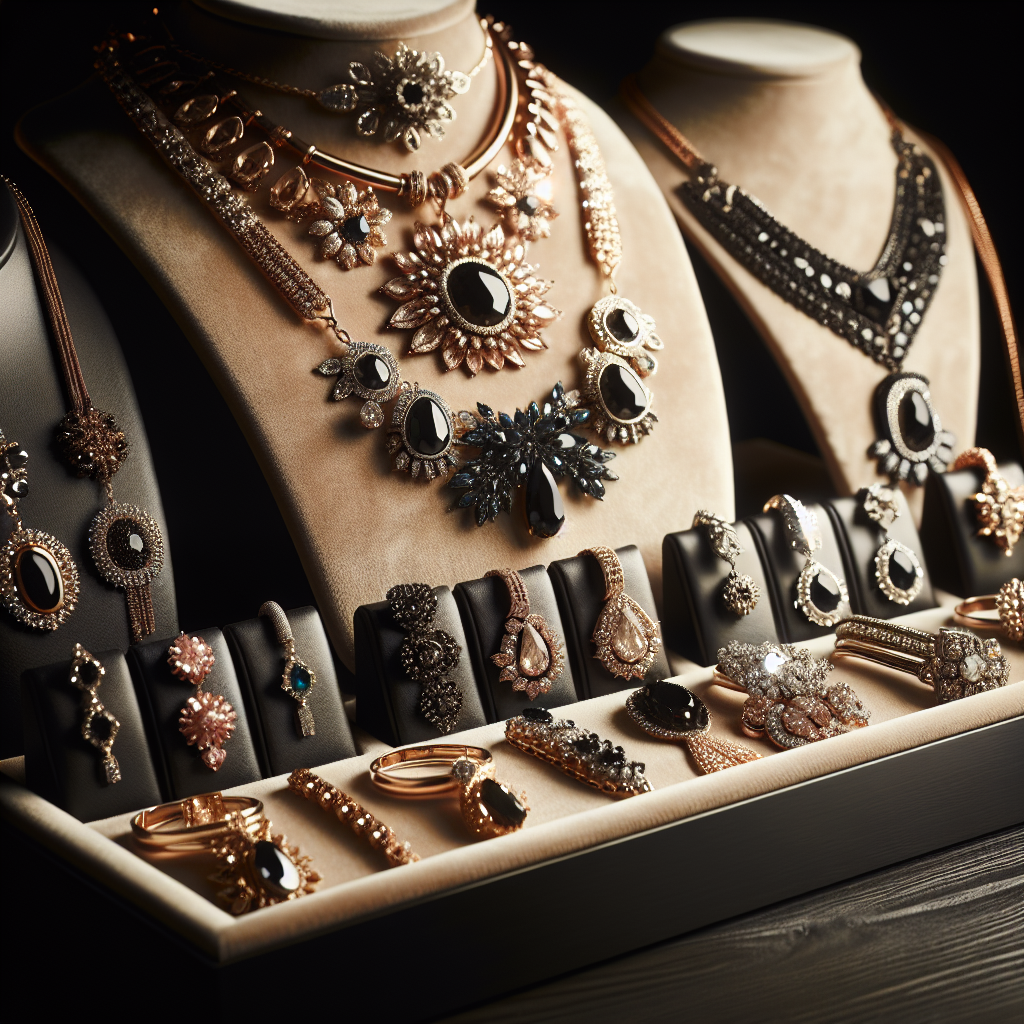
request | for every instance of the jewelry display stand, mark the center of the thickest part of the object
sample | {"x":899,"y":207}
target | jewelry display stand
{"x":259,"y":659}
{"x":156,"y":761}
{"x":783,"y":112}
{"x":579,"y":587}
{"x":783,"y":566}
{"x":484,"y":605}
{"x":697,"y":622}
{"x":962,"y":562}
{"x":330,"y":477}
{"x":859,"y":539}
{"x":62,"y":766}
{"x":32,"y":404}
{"x":387,"y":700}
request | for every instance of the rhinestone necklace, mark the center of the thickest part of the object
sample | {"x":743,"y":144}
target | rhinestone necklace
{"x":452,"y":269}
{"x":878,"y":311}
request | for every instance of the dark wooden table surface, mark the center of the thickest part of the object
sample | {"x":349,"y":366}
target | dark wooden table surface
{"x":935,"y":939}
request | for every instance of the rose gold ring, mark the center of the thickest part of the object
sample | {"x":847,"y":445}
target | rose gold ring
{"x":626,"y":637}
{"x":400,"y":772}
{"x":1008,"y":605}
{"x":531,"y":652}
{"x":196,"y":823}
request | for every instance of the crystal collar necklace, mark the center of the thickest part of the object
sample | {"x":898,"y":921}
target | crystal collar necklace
{"x":878,"y":311}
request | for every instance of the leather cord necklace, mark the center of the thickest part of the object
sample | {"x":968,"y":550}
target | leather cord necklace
{"x":124,"y":540}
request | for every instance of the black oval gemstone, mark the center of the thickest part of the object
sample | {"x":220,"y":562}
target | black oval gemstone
{"x":622,"y":393}
{"x":89,"y":674}
{"x":274,"y":869}
{"x":355,"y":229}
{"x":528,"y":205}
{"x":427,"y":427}
{"x":622,"y":325}
{"x":18,"y":488}
{"x":372,"y":372}
{"x":126,"y":545}
{"x":505,"y":809}
{"x":825,"y":592}
{"x":16,"y":458}
{"x":915,"y":421}
{"x":901,"y":570}
{"x":545,"y":512}
{"x":537,"y":715}
{"x":412,"y":93}
{"x":101,"y":727}
{"x":672,"y":707}
{"x":38,"y":578}
{"x":479,"y":294}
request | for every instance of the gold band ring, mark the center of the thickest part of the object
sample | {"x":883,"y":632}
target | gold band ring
{"x":393,"y":772}
{"x":196,"y":823}
{"x":1008,"y":605}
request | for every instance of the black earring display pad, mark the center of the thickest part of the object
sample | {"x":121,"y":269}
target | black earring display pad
{"x":962,"y":562}
{"x":697,"y":622}
{"x":859,"y":538}
{"x":181,"y":767}
{"x":579,"y":588}
{"x":260,"y":660}
{"x":32,"y":403}
{"x":66,"y":769}
{"x":387,"y":700}
{"x":783,"y":566}
{"x":484,"y":605}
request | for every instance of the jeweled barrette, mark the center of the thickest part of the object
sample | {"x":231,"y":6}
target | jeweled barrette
{"x":531,"y":652}
{"x":626,"y":638}
{"x":789,"y":698}
{"x":670,"y":711}
{"x":577,"y":752}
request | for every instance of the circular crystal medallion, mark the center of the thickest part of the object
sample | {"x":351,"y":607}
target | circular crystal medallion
{"x":479,"y":295}
{"x":622,"y":394}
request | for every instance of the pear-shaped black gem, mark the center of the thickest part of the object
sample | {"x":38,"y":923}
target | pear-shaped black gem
{"x":824,"y":592}
{"x":427,"y":427}
{"x":275,"y":869}
{"x":545,"y":510}
{"x":915,"y":420}
{"x":902,"y":571}
{"x":622,"y":393}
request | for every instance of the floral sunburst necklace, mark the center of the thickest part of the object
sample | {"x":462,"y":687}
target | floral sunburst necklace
{"x":466,"y":291}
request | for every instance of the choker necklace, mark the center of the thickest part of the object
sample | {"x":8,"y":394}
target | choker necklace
{"x":878,"y":311}
{"x":124,"y":540}
{"x":443,"y":290}
{"x":155,"y":69}
{"x":403,"y":97}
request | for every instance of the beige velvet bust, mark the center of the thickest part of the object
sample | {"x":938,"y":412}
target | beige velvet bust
{"x":782,"y":110}
{"x":358,"y":526}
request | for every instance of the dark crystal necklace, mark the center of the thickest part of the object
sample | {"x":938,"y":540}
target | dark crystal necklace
{"x":878,"y":311}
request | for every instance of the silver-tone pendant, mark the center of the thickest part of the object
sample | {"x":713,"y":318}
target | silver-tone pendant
{"x":620,"y":327}
{"x":369,"y":372}
{"x":618,"y":400}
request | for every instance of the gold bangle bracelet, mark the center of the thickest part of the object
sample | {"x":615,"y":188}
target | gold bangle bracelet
{"x":386,"y":771}
{"x":199,"y":822}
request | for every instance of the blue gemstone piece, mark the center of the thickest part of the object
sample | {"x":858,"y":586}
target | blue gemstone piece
{"x":300,"y":678}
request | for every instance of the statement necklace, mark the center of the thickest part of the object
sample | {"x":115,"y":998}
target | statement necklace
{"x":878,"y":311}
{"x":124,"y":540}
{"x":469,"y":299}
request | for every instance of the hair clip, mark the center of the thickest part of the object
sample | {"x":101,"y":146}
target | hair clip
{"x":740,"y":592}
{"x":99,"y":726}
{"x":626,"y":637}
{"x":788,"y":697}
{"x":577,"y":752}
{"x":999,"y":508}
{"x":207,"y":720}
{"x":488,"y":807}
{"x":531,"y":652}
{"x":297,"y":678}
{"x":428,"y":655}
{"x":670,"y":711}
{"x":820,"y":594}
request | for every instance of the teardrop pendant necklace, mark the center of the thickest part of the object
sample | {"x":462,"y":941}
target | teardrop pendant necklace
{"x":124,"y":540}
{"x":878,"y":311}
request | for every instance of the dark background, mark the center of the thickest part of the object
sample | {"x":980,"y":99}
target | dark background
{"x":945,"y":72}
